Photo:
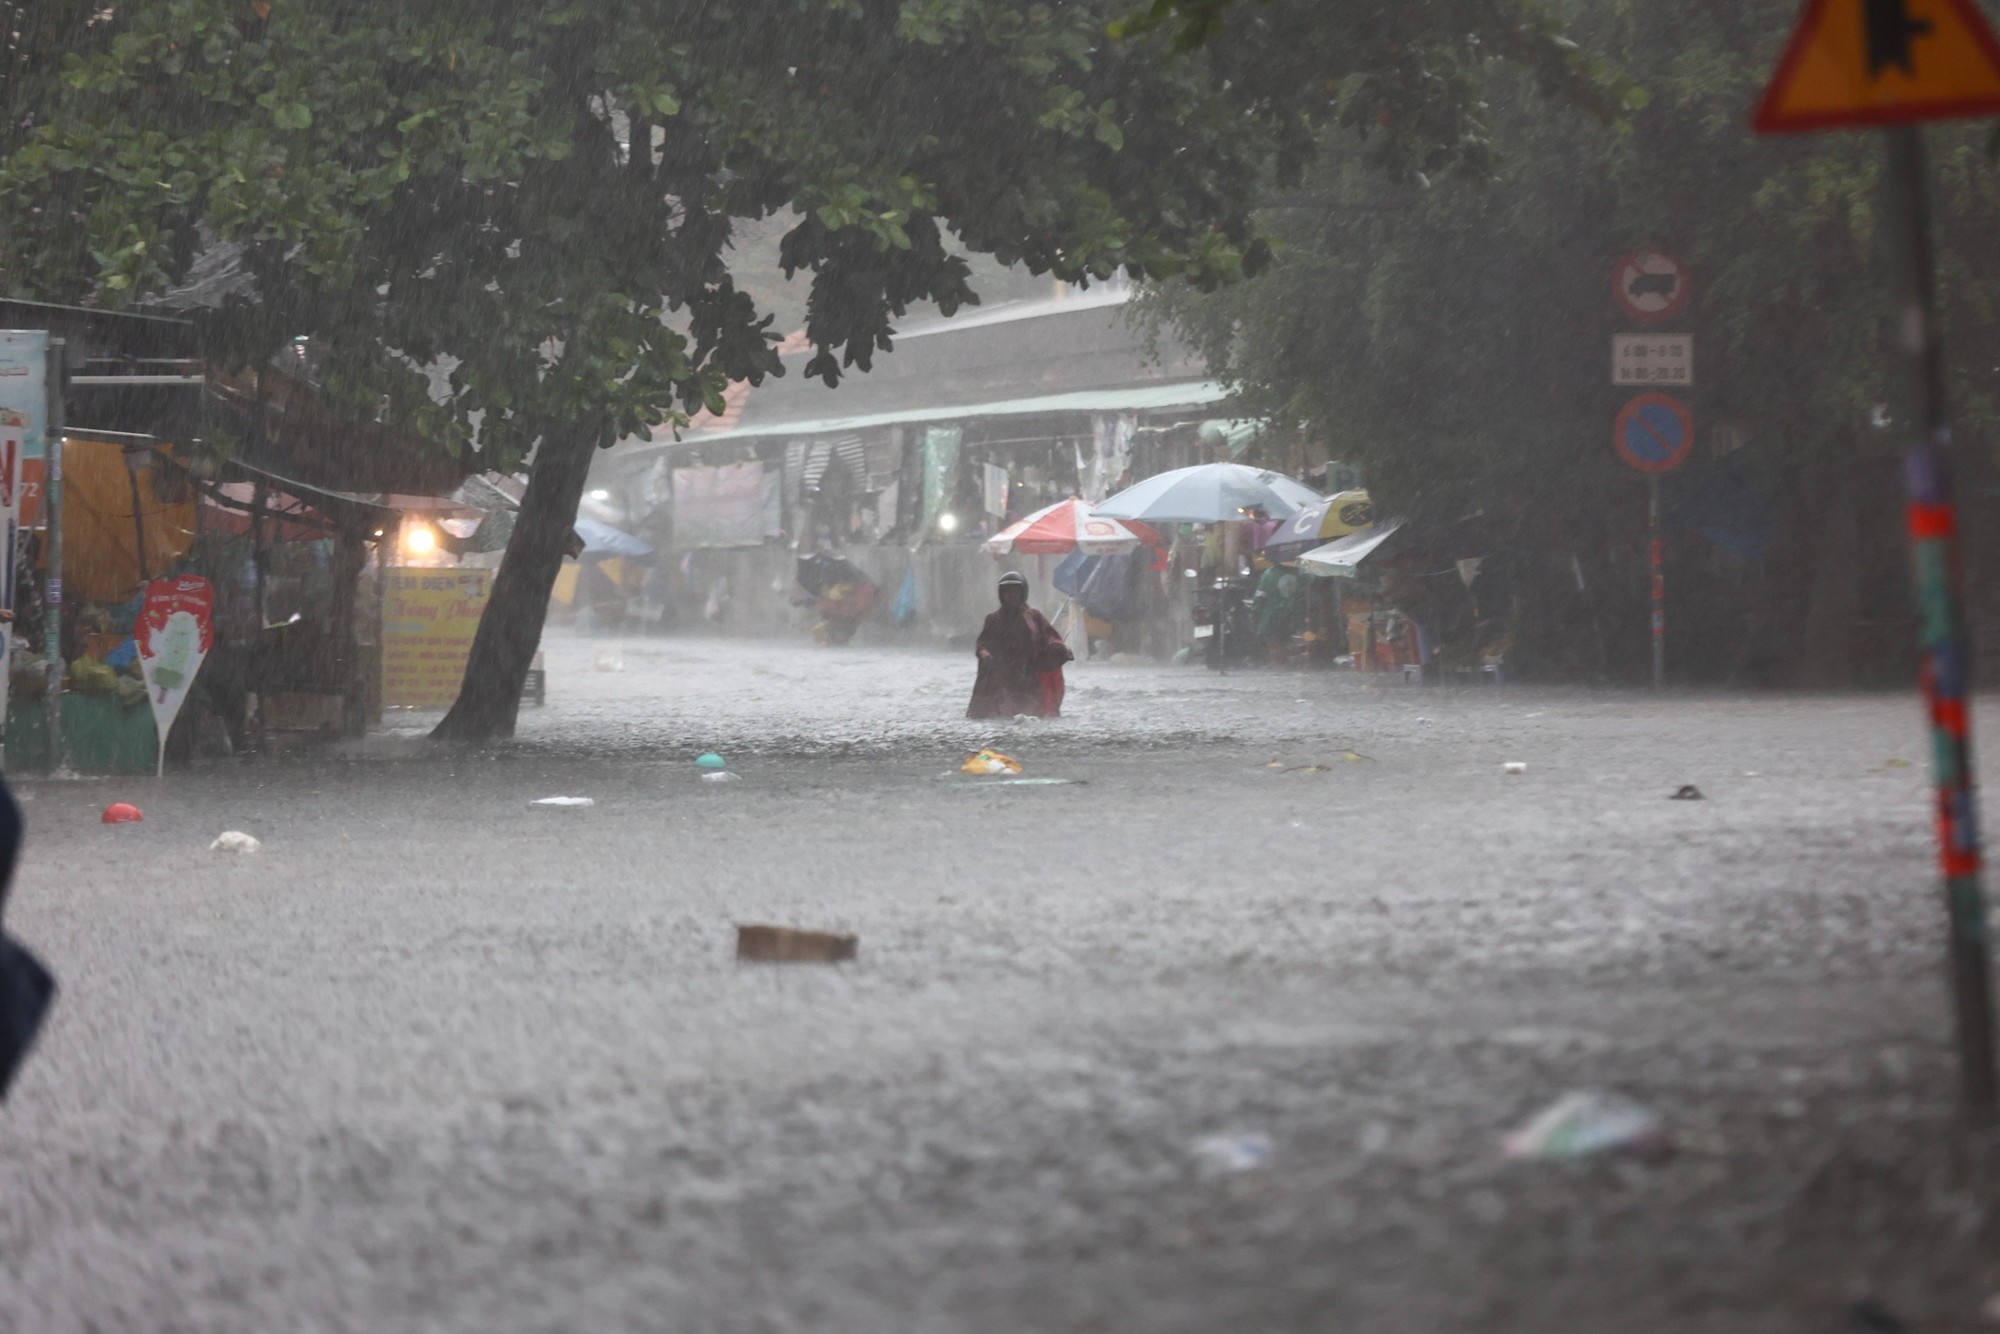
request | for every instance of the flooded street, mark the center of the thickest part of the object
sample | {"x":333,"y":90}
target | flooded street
{"x":434,"y":1059}
{"x":763,"y":387}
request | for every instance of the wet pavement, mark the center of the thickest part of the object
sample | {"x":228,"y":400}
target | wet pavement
{"x":435,"y":1059}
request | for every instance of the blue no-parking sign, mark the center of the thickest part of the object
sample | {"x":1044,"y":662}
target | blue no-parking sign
{"x":1655,"y":433}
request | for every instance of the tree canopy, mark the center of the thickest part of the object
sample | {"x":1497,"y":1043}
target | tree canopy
{"x":1451,"y":338}
{"x":539,"y":198}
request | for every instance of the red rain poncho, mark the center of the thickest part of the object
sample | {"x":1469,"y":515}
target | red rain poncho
{"x":1020,"y":667}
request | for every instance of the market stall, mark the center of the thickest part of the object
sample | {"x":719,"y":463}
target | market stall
{"x":1415,"y":602}
{"x":130,"y":516}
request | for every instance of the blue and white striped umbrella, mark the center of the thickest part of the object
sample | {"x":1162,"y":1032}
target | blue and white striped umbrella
{"x":1210,"y":493}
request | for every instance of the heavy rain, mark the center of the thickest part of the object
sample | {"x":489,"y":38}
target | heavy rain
{"x":978,"y":666}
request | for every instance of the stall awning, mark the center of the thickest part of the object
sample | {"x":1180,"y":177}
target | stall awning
{"x":230,"y":507}
{"x":127,"y":518}
{"x":1135,"y":398}
{"x":305,"y":495}
{"x":1342,"y":558}
{"x":285,"y":426}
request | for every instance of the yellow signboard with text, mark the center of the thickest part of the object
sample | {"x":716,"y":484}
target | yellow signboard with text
{"x":428,"y":620}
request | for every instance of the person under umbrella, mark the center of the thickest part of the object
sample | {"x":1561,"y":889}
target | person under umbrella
{"x":1021,"y":659}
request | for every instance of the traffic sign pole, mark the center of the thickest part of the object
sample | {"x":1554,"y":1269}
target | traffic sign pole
{"x":1944,"y":648}
{"x":1659,"y":584}
{"x":1654,"y":434}
{"x":1849,"y":66}
{"x":52,"y":547}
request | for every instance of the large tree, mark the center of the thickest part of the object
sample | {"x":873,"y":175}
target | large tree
{"x":538,"y":199}
{"x":1449,"y":336}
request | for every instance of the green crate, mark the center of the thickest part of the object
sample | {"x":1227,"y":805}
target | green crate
{"x":100,"y":735}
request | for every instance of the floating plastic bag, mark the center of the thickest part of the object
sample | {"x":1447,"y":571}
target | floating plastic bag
{"x":990,"y":762}
{"x":1233,"y":1153}
{"x":234,"y":840}
{"x":1589,"y":1121}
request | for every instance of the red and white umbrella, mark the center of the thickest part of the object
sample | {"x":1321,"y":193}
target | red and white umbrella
{"x":1067,"y":525}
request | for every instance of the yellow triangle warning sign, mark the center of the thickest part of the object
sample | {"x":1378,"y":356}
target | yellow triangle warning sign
{"x":1883,"y":62}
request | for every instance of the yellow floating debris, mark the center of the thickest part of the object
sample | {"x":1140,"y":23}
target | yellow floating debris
{"x":990,"y":762}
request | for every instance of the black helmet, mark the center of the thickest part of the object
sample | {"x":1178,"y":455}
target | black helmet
{"x":1014,"y":579}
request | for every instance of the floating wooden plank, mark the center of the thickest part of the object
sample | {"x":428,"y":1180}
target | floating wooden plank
{"x":780,"y":944}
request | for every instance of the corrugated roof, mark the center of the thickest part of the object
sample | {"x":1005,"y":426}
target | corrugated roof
{"x":1100,"y":296}
{"x":1133,"y":398}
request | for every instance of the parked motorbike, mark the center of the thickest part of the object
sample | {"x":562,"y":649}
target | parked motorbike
{"x":1225,"y":632}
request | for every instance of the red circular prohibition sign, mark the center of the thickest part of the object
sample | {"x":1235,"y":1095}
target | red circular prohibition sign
{"x":1654,"y":433}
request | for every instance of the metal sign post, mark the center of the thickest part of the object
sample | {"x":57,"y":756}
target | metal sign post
{"x":1655,"y":551}
{"x":1654,"y":434}
{"x":1944,"y":648}
{"x":1881,"y":64}
{"x":52,"y":488}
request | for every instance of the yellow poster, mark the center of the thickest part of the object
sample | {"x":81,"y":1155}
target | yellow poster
{"x":428,"y":620}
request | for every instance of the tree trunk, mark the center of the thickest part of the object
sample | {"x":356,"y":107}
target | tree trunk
{"x":511,"y":629}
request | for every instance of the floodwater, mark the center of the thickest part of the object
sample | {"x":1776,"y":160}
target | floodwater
{"x":437,"y":1060}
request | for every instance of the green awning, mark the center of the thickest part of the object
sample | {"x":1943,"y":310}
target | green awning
{"x":1137,"y":398}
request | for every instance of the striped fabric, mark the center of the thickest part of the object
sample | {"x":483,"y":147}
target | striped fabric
{"x":849,"y":449}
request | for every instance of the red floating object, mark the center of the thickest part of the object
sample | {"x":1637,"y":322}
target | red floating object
{"x":122,"y":812}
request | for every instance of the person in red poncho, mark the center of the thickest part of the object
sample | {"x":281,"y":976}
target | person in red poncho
{"x":1021,"y":659}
